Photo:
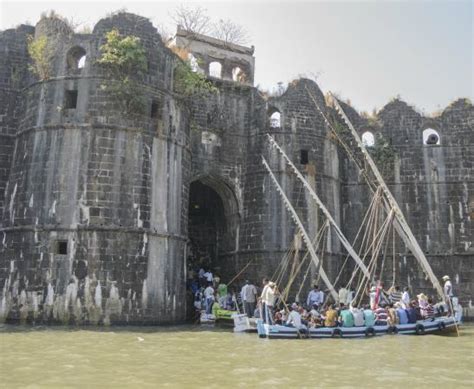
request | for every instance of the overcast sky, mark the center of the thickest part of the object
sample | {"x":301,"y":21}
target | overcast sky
{"x":366,"y":51}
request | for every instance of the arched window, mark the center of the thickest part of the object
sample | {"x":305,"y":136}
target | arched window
{"x":238,"y":75}
{"x":368,"y":139}
{"x":76,"y":58}
{"x":431,"y":137}
{"x":215,"y":69}
{"x":275,"y":120}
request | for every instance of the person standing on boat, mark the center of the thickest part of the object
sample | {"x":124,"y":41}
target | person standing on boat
{"x":209,"y":296}
{"x":448,"y":292}
{"x":314,"y":297}
{"x":373,"y":297}
{"x":268,"y":301}
{"x":405,"y":298}
{"x":249,"y":297}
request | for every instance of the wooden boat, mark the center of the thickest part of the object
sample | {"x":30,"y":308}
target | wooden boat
{"x":421,"y":327}
{"x":218,"y":316}
{"x":242,"y":323}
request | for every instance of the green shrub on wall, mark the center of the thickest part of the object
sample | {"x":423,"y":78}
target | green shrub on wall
{"x":41,"y":53}
{"x":190,"y":83}
{"x":124,"y":58}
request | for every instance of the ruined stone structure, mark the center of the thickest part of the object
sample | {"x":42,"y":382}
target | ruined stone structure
{"x":99,"y":209}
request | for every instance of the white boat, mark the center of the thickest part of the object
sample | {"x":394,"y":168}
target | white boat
{"x":242,"y":323}
{"x":421,"y":327}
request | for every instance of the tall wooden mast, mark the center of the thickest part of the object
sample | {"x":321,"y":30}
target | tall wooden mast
{"x":306,"y":238}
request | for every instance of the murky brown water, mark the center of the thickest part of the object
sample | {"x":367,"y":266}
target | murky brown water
{"x":187,"y":356}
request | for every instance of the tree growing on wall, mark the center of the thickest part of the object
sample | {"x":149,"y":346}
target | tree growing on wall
{"x":41,"y":54}
{"x":124,"y":58}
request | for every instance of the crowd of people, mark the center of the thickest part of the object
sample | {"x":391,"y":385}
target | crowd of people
{"x":383,"y":307}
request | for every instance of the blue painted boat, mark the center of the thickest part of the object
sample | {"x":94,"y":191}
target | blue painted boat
{"x":421,"y":327}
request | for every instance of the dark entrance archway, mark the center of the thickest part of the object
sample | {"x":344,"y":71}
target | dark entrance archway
{"x":213,"y":224}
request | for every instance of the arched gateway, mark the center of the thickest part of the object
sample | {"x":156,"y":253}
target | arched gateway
{"x":213,"y":224}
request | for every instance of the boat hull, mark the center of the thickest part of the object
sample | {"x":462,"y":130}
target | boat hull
{"x":422,"y":327}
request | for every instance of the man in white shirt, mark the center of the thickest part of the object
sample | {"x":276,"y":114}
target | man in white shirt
{"x":268,"y":301}
{"x":209,"y":296}
{"x":358,"y":315}
{"x":448,"y":292}
{"x":405,"y":298}
{"x":448,"y":287}
{"x":249,"y":298}
{"x":294,"y":318}
{"x":314,"y":297}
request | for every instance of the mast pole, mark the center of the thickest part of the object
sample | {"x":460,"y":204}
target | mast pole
{"x":304,"y":234}
{"x":323,"y":208}
{"x":407,"y":235}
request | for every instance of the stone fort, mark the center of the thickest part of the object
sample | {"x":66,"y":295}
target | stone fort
{"x":99,"y":211}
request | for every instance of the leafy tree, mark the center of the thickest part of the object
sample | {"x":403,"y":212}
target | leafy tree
{"x":124,"y":58}
{"x":41,"y":53}
{"x":123,"y":54}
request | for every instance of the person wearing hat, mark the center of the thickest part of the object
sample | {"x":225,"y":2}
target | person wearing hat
{"x":268,"y":301}
{"x":373,"y":297}
{"x":249,"y":297}
{"x":448,"y":291}
{"x":448,"y":287}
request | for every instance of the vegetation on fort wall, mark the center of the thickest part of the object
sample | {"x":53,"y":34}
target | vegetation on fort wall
{"x":124,"y":59}
{"x":383,"y":154}
{"x":41,"y":53}
{"x":188,"y":81}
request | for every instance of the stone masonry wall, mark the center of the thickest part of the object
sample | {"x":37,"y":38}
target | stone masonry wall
{"x":95,"y":227}
{"x":94,"y":200}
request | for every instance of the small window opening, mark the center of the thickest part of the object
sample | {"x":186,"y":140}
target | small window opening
{"x":275,"y":120}
{"x":82,"y":62}
{"x":238,"y":75}
{"x":61,"y":247}
{"x":304,"y":157}
{"x":76,"y":58}
{"x":70,"y":99}
{"x":368,"y":139}
{"x":154,"y":109}
{"x":215,"y":69}
{"x":431,"y":137}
